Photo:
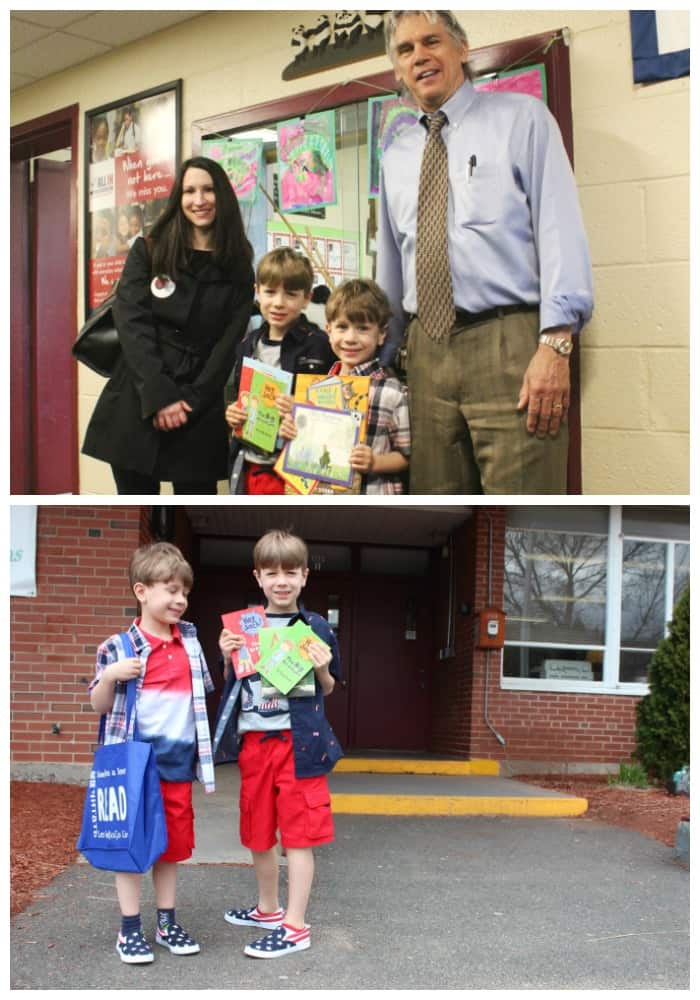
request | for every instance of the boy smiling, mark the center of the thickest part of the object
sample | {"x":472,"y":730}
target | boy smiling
{"x":357,"y":317}
{"x":284,"y":747}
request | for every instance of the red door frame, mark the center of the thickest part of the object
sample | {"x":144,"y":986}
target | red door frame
{"x":56,"y":130}
{"x":549,"y":48}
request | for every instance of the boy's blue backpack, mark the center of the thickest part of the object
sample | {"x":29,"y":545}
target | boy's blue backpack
{"x":124,"y":826}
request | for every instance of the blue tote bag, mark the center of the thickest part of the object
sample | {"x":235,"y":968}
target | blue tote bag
{"x":123,"y":819}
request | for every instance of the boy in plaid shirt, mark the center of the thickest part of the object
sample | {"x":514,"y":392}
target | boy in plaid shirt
{"x":171,"y":684}
{"x":357,"y":317}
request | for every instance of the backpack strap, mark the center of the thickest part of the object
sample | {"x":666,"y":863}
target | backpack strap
{"x":128,"y":650}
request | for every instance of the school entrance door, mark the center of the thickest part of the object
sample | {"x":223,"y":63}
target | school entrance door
{"x":383,"y":627}
{"x":379,"y":602}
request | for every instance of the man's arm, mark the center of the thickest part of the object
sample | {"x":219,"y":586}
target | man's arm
{"x":566,"y":285}
{"x":389,"y":276}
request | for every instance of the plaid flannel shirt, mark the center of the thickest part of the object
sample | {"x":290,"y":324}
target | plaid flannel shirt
{"x":388,"y":427}
{"x":112,"y":650}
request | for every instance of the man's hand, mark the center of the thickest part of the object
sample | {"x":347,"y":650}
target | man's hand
{"x":546,"y":390}
{"x":173,"y":416}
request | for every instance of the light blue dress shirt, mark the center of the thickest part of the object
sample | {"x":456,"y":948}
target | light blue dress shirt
{"x":515,"y":230}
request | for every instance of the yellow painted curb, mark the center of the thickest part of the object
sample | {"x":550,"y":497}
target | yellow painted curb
{"x":456,"y":805}
{"x":370,"y":765}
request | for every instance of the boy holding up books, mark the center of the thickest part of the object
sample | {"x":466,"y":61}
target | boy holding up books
{"x":286,"y":340}
{"x":357,"y":318}
{"x":284,"y":747}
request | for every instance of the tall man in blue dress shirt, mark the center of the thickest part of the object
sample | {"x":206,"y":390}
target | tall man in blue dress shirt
{"x":489,"y":398}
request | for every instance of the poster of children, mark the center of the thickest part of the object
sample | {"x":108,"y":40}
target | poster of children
{"x":131,"y":159}
{"x":306,"y":157}
{"x":242,"y":159}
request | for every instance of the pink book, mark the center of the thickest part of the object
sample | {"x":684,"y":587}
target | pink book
{"x":247,"y":623}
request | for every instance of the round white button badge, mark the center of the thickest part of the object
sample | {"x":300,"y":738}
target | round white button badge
{"x":162,"y":286}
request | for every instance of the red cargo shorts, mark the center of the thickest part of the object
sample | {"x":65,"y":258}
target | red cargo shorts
{"x":179,"y":820}
{"x":272,"y":797}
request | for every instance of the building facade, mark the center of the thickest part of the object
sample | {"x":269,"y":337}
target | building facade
{"x":628,"y":142}
{"x":409,"y":590}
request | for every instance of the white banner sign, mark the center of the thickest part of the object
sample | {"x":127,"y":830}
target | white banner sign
{"x":23,"y":551}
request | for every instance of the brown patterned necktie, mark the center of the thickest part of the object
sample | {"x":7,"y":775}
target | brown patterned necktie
{"x":435,"y":307}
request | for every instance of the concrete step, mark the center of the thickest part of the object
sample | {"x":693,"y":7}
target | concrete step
{"x":402,"y":794}
{"x":415,"y":765}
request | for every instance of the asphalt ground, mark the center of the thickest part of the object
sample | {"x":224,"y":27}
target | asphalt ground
{"x":399,"y":902}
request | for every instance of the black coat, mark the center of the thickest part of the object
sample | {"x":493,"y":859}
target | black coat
{"x":179,"y":347}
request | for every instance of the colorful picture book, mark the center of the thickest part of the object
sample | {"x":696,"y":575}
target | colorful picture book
{"x":260,"y":386}
{"x":323,"y":443}
{"x":247,"y":623}
{"x":284,"y":657}
{"x":345,"y":393}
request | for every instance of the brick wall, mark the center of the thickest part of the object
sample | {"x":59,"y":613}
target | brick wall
{"x":83,"y":596}
{"x":539,"y":728}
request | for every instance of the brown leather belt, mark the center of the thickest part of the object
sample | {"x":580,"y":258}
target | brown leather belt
{"x":463,"y":318}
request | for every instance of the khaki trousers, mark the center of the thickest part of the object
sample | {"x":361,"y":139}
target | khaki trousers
{"x":467,"y":436}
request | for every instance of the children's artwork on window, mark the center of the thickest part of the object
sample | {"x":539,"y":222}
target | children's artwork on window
{"x":530,"y":80}
{"x":242,"y":159}
{"x":306,"y":155}
{"x":387,"y":118}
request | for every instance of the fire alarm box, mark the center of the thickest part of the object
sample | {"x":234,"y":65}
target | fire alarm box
{"x":492,"y":628}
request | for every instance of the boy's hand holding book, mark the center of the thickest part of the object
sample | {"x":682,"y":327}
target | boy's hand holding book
{"x":228,"y":642}
{"x":235,"y":415}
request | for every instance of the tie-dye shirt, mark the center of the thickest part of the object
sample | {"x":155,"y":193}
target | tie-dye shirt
{"x":166,"y":711}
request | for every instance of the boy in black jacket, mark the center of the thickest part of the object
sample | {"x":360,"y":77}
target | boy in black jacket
{"x":286,"y":340}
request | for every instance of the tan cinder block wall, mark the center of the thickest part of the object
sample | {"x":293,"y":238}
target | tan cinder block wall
{"x":632,"y":166}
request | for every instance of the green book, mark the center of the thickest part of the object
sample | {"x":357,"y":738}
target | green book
{"x":263,"y":420}
{"x":284,"y":658}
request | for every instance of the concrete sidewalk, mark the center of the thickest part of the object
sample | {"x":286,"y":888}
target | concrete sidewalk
{"x":399,"y":902}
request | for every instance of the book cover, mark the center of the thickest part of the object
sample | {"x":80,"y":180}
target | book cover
{"x":284,"y":658}
{"x":349,"y":392}
{"x":259,"y":386}
{"x":323,"y":444}
{"x":298,"y":485}
{"x":246,"y":622}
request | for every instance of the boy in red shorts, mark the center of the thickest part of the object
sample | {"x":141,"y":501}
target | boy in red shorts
{"x":285,"y":747}
{"x":171,"y":681}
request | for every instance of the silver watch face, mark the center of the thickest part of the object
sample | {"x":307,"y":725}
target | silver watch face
{"x":562,"y":345}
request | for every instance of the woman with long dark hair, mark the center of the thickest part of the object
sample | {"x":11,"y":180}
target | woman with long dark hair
{"x":183,"y":302}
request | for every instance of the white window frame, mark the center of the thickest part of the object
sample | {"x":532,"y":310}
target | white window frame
{"x":611,"y":683}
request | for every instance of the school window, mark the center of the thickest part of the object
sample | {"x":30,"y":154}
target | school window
{"x":588,"y":594}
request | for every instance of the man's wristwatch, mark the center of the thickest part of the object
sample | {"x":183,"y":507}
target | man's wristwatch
{"x":562,"y":345}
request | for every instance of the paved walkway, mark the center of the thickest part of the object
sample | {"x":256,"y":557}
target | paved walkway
{"x":399,"y":902}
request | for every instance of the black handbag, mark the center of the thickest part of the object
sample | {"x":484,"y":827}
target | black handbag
{"x":97,"y":344}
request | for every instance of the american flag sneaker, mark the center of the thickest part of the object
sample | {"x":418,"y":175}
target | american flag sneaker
{"x":253,"y":917}
{"x":282,"y":941}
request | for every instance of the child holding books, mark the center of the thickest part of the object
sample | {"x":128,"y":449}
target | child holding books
{"x":357,"y":318}
{"x":171,"y":682}
{"x":284,"y":747}
{"x":286,"y":340}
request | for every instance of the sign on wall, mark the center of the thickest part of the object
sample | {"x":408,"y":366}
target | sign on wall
{"x":23,"y":551}
{"x":335,"y":39}
{"x":131,"y":157}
